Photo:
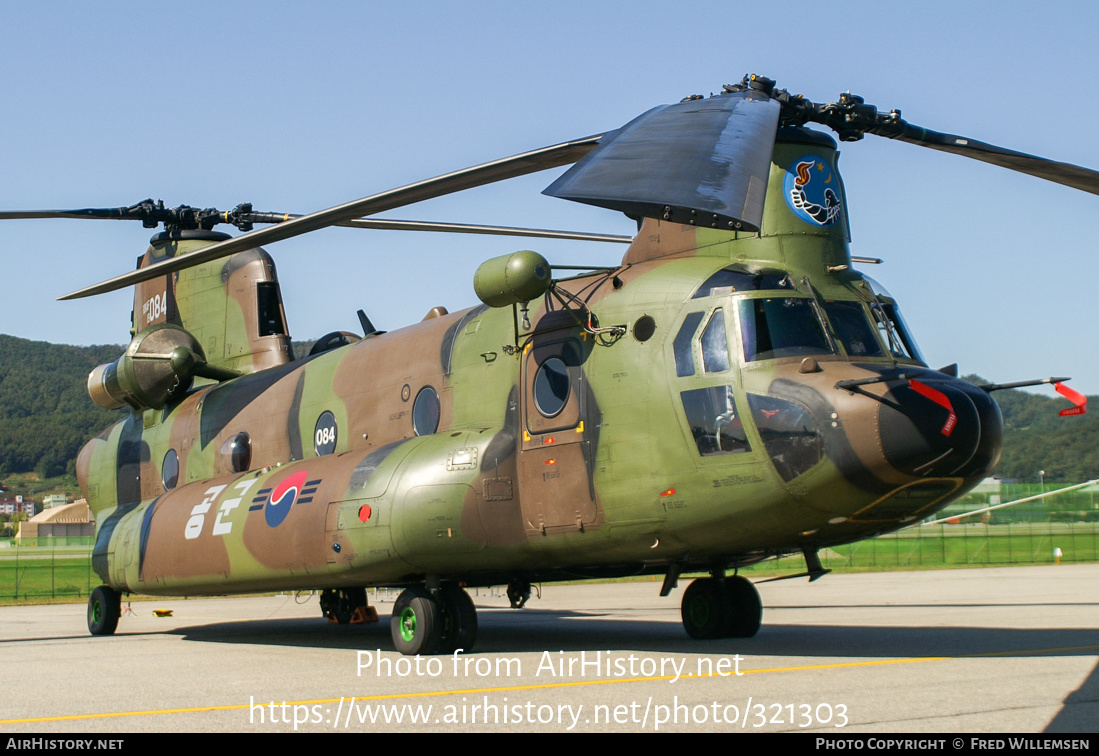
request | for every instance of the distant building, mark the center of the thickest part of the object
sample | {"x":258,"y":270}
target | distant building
{"x":18,"y":505}
{"x":68,"y":520}
{"x":54,"y":500}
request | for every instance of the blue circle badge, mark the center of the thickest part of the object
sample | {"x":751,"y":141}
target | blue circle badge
{"x":811,"y":189}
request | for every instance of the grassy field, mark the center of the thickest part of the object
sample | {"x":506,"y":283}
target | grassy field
{"x":939,"y":547}
{"x":30,"y":574}
{"x":33,"y":574}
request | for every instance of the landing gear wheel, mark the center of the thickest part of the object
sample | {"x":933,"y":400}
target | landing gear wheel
{"x":518,"y":593}
{"x":417,"y":624}
{"x":460,"y":620}
{"x":345,"y":606}
{"x":745,"y":610}
{"x":104,"y":609}
{"x":705,"y":609}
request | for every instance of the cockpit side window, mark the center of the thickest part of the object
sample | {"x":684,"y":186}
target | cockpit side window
{"x":851,"y":325}
{"x":715,"y":348}
{"x":780,"y":327}
{"x":684,"y":354}
{"x":894,"y":332}
{"x":736,"y":279}
{"x":715,"y":424}
{"x":889,"y":323}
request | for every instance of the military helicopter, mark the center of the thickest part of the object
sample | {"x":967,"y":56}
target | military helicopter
{"x":734,"y":390}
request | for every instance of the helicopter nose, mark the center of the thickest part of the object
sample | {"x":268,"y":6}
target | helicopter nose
{"x":940,"y":428}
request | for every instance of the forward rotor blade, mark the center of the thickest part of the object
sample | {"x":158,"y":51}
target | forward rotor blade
{"x":1066,"y":174}
{"x":851,"y":117}
{"x":701,"y":161}
{"x":486,"y":173}
{"x":392,"y":224}
{"x":469,"y":228}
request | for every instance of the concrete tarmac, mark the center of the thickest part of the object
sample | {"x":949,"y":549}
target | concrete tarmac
{"x":1001,"y":650}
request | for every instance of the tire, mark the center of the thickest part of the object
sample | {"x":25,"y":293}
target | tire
{"x":744,"y":607}
{"x":460,"y":620}
{"x":705,"y":609}
{"x":417,"y":622}
{"x":104,"y":609}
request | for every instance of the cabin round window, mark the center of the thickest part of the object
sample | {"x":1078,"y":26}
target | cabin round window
{"x":169,"y":470}
{"x":552,"y":387}
{"x":425,"y":412}
{"x":237,"y":450}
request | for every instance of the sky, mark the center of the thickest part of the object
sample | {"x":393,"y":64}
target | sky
{"x":295,"y":107}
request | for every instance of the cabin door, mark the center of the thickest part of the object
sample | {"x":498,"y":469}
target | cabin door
{"x":555,"y":455}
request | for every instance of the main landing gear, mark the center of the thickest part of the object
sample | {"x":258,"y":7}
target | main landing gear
{"x":716,"y":607}
{"x":433,"y":622}
{"x":104,"y":609}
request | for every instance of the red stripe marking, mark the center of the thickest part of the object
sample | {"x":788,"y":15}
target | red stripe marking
{"x":1073,"y":396}
{"x":940,"y":399}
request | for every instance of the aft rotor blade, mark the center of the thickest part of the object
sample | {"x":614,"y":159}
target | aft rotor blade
{"x":95,"y":213}
{"x":24,"y":214}
{"x":486,"y":173}
{"x":701,"y":161}
{"x":1060,"y":173}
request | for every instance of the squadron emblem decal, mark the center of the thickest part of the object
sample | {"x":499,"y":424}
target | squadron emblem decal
{"x":812,"y":191}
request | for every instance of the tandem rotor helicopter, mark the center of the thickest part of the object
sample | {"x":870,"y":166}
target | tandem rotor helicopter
{"x":732,"y":391}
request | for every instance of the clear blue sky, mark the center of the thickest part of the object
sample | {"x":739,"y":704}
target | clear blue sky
{"x":299,"y":106}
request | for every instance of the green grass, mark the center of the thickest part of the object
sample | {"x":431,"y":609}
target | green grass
{"x":41,"y":573}
{"x":958,"y":546}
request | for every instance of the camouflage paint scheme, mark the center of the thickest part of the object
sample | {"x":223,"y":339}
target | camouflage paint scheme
{"x":614,"y":482}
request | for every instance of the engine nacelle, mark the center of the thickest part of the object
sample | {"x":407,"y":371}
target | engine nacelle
{"x":156,"y":366}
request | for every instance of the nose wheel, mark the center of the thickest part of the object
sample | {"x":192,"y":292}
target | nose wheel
{"x":721,"y":608}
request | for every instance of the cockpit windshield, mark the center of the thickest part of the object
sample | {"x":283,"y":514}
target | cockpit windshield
{"x":780,"y":327}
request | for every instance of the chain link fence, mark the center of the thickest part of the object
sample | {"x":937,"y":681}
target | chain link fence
{"x":1060,"y":528}
{"x":1063,"y":527}
{"x":40,"y":568}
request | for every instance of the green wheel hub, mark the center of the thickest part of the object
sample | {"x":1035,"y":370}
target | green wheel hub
{"x":408,"y":624}
{"x":104,"y":608}
{"x":417,"y":624}
{"x":700,"y":611}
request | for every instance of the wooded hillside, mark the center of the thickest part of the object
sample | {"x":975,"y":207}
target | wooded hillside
{"x":45,"y":412}
{"x":46,"y":416}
